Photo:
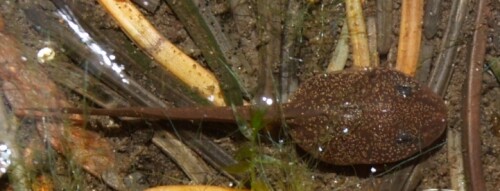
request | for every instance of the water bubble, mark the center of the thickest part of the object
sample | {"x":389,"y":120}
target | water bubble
{"x":281,"y":141}
{"x":5,"y":161}
{"x":45,"y":54}
{"x":321,"y":149}
{"x":267,"y":101}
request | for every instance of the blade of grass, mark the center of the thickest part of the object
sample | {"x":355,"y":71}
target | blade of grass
{"x":341,"y":52}
{"x":205,"y":31}
{"x":441,"y":74}
{"x":410,"y":33}
{"x":384,"y":26}
{"x":432,"y":17}
{"x":292,"y":31}
{"x":269,"y":29}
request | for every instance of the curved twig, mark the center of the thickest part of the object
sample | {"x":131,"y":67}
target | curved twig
{"x":471,"y":111}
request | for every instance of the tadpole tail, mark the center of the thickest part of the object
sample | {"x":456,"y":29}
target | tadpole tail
{"x":213,"y":114}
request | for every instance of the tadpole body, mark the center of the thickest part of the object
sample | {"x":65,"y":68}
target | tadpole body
{"x":370,"y":117}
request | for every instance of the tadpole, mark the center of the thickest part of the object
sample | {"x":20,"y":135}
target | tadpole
{"x":372,"y":116}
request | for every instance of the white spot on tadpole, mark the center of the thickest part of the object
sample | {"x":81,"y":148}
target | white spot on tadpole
{"x":345,"y":130}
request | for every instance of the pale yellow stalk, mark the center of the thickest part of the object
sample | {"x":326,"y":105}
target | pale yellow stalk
{"x":172,"y":59}
{"x":410,"y":33}
{"x":192,"y":188}
{"x":357,"y":32}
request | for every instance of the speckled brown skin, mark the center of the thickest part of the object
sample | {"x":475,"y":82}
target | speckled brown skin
{"x":369,"y":117}
{"x":351,"y":117}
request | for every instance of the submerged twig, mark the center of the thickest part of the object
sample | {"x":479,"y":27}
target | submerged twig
{"x":410,"y":32}
{"x":358,"y":35}
{"x":384,"y":26}
{"x":71,"y":77}
{"x":431,"y":17}
{"x":372,"y":41}
{"x":472,"y":103}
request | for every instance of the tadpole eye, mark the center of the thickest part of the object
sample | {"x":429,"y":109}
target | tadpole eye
{"x":405,"y":138}
{"x":404,"y":90}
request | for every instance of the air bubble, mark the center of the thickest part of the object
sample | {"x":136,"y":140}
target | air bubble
{"x":373,"y":170}
{"x":281,"y":141}
{"x":267,"y":101}
{"x":321,"y":149}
